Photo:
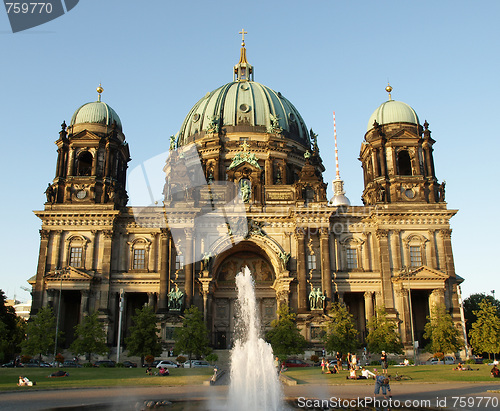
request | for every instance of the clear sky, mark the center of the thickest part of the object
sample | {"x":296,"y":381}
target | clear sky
{"x":157,"y":58}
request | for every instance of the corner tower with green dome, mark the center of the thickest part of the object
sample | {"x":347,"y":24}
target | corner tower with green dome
{"x":397,"y":159}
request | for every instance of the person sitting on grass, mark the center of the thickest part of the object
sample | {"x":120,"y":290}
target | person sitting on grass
{"x":164,"y":371}
{"x":495,"y":372}
{"x":366,"y":374}
{"x":352,"y":374}
{"x":25,"y":382}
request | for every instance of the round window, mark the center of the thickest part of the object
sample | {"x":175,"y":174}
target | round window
{"x":410,"y":193}
{"x":245,"y":108}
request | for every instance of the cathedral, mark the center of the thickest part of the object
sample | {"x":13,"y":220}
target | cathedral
{"x":243,"y":186}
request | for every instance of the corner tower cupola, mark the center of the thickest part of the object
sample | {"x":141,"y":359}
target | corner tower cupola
{"x":243,"y":71}
{"x":396,"y":157}
{"x":92,"y":158}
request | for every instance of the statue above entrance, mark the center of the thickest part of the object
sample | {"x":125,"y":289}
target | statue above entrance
{"x":316,"y":299}
{"x":175,"y":299}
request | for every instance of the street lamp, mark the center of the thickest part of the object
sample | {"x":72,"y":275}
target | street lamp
{"x":61,"y":274}
{"x":406,"y":271}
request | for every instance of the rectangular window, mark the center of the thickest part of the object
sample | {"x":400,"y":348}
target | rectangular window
{"x":139,"y":259}
{"x":75,"y":256}
{"x":179,"y":262}
{"x":415,"y":256}
{"x":352,"y":258}
{"x":311,"y":262}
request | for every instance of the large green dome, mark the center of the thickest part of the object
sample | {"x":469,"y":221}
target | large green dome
{"x":247,"y":106}
{"x":393,"y":112}
{"x":96,"y":112}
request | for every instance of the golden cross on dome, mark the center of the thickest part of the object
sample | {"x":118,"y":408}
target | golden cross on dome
{"x":243,"y":32}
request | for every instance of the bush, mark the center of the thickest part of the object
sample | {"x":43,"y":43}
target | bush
{"x":314,"y":358}
{"x":88,"y":365}
{"x":392,"y":362}
{"x":149,"y":359}
{"x":439,"y":355}
{"x":60,"y":358}
{"x":181,"y":359}
{"x":26,"y":358}
{"x":374,"y":362}
{"x":212,"y":358}
{"x":470,"y":361}
{"x":119,"y":365}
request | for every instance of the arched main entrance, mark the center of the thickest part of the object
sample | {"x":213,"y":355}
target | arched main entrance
{"x":224,"y":310}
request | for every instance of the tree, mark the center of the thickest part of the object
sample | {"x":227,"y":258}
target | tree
{"x":485,"y":332}
{"x":192,"y":337}
{"x":341,"y":334}
{"x":441,"y":331}
{"x":471,"y":305}
{"x":12,"y":331}
{"x":41,"y":332}
{"x":144,"y":339}
{"x":90,"y":337}
{"x":285,"y":337}
{"x":383,"y":334}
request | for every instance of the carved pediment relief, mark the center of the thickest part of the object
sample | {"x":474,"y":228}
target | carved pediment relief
{"x":69,"y":274}
{"x":420,"y":274}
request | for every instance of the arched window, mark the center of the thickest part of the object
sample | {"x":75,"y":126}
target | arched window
{"x":84,"y":164}
{"x":404,"y":163}
{"x":415,"y":250}
{"x":76,"y":247}
{"x":139,"y":254}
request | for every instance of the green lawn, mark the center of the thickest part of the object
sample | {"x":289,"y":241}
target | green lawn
{"x":421,"y":373}
{"x":100,"y":377}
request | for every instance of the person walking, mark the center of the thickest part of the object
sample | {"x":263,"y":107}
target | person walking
{"x":323,"y":364}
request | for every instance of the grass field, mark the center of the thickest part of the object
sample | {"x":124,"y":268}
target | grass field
{"x":100,"y":377}
{"x":112,"y":377}
{"x":419,"y":374}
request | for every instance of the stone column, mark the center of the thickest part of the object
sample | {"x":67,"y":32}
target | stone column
{"x":94,"y":161}
{"x":164,"y":264}
{"x":326,"y":275}
{"x":402,"y":297}
{"x":151,"y":300}
{"x":189,"y":266}
{"x":385,"y":270}
{"x":301,"y":270}
{"x":368,"y":305}
{"x":269,"y":171}
{"x":106,"y":269}
{"x":71,"y":161}
{"x":84,"y":303}
{"x":89,"y":253}
{"x":432,"y":237}
{"x":40,"y":272}
{"x":396,"y":244}
{"x":57,"y":245}
{"x":448,"y":253}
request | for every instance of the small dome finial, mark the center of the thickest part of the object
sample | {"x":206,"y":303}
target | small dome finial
{"x":99,"y":90}
{"x":389,"y":89}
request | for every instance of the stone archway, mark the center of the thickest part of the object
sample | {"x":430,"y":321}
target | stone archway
{"x":223,"y":307}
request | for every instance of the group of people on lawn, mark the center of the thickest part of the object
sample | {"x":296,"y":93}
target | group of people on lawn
{"x":382,"y":382}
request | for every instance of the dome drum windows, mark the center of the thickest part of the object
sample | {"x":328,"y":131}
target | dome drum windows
{"x":84,"y":163}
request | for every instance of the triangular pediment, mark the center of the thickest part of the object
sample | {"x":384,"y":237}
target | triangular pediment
{"x":69,"y":274}
{"x":402,"y":134}
{"x":85,"y":135}
{"x":419,"y":274}
{"x":246,"y":165}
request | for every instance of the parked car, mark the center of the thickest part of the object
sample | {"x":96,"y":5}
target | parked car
{"x":11,"y":364}
{"x":294,"y":362}
{"x":36,"y":363}
{"x":166,"y":364}
{"x":105,"y":363}
{"x":71,"y":364}
{"x":129,"y":364}
{"x":196,"y":364}
{"x":446,"y":360}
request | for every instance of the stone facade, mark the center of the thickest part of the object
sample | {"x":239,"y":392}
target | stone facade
{"x":302,"y":251}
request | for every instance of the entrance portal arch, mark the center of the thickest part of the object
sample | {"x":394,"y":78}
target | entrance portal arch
{"x":224,"y":311}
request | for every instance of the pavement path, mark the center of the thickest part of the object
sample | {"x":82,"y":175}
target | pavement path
{"x":453,"y":396}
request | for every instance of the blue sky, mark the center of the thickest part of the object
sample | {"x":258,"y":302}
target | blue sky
{"x":156,"y":58}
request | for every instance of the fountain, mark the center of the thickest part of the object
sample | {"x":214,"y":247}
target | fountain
{"x":254,"y":381}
